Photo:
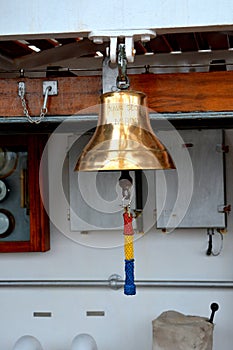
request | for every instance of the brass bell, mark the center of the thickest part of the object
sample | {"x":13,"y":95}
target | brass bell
{"x":124,"y":139}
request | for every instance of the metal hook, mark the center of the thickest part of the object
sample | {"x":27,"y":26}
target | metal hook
{"x":210,"y":233}
{"x":147,"y":69}
{"x":48,"y":88}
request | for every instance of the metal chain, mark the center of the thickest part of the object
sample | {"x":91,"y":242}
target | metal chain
{"x":43,"y":111}
{"x":122,"y":79}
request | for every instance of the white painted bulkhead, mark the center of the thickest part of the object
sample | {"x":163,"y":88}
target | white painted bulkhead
{"x":81,"y":17}
{"x":127,"y":320}
{"x":179,"y":256}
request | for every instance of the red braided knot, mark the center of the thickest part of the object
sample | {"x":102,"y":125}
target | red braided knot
{"x":128,"y":227}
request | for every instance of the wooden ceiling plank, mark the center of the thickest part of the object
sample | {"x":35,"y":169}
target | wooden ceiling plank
{"x":202,"y":43}
{"x":13,"y":49}
{"x":51,"y":56}
{"x":216,"y":40}
{"x":140,"y":48}
{"x":42,"y":44}
{"x":159,"y":45}
{"x":173,"y":43}
{"x":65,"y":41}
{"x":186,"y":42}
{"x":165,"y":39}
{"x":6,"y":63}
{"x":23,"y":48}
{"x":230,"y":41}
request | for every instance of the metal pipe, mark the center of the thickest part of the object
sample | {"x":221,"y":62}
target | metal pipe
{"x":186,"y":284}
{"x":116,"y":283}
{"x":98,"y":69}
{"x":54,"y":283}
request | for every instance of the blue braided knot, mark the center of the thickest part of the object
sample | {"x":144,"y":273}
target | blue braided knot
{"x":129,"y":287}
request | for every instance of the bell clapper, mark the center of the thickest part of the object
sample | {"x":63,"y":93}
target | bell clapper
{"x":126,"y":183}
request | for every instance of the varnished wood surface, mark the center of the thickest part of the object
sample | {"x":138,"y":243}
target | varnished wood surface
{"x":74,"y":95}
{"x":187,"y":92}
{"x":166,"y":93}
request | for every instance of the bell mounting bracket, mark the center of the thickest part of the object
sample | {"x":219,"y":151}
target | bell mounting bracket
{"x":129,"y":36}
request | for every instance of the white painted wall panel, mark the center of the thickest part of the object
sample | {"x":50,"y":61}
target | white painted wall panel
{"x":127,"y":321}
{"x":43,"y":17}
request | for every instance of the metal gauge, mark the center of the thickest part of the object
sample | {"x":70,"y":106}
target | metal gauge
{"x":8,"y":162}
{"x":7,"y":223}
{"x":4,"y":190}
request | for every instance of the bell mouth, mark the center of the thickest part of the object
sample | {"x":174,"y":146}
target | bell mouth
{"x":135,"y":157}
{"x":124,"y":138}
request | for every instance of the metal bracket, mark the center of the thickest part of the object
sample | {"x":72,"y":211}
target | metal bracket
{"x":115,"y":281}
{"x":222,"y":148}
{"x":109,"y":76}
{"x":52,"y":85}
{"x":224,"y":208}
{"x":130,"y":36}
{"x":114,"y":76}
{"x":21,"y":88}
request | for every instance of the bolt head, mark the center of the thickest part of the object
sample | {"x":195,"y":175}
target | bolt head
{"x":98,"y":40}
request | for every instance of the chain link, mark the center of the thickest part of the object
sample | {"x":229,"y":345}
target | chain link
{"x":43,"y":111}
{"x":122,"y":79}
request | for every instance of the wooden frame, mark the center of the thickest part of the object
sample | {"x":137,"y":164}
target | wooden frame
{"x":39,"y":221}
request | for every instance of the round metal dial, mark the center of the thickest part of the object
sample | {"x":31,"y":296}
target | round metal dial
{"x":7,"y":223}
{"x":8,"y":162}
{"x":3,"y":190}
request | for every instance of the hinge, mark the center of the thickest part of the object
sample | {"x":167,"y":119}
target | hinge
{"x":224,"y":208}
{"x":222,"y":148}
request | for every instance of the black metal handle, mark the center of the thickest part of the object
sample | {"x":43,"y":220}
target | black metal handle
{"x":214,"y":307}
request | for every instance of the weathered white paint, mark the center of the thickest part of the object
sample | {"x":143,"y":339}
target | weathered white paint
{"x":127,"y":320}
{"x":78,"y":18}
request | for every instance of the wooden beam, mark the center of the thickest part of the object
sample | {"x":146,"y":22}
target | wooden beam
{"x":6,"y":63}
{"x":167,"y":93}
{"x":186,"y":92}
{"x":75,"y":94}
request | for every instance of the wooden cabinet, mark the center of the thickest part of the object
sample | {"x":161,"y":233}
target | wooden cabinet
{"x":24,"y":223}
